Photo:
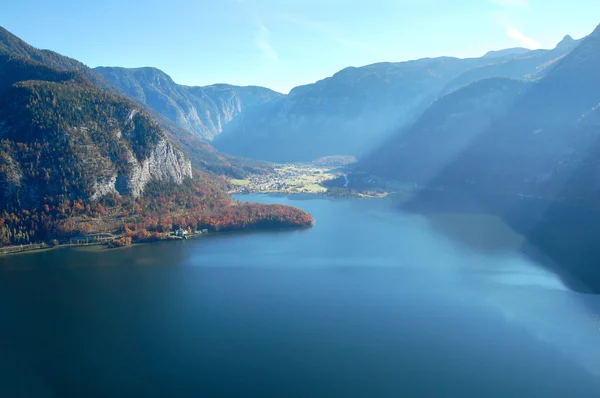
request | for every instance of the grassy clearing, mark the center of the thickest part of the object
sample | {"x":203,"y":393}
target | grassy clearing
{"x":241,"y":183}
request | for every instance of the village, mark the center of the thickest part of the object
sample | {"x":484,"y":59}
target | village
{"x":289,"y":178}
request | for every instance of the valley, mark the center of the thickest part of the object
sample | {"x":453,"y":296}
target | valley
{"x":300,"y":199}
{"x":132,"y":153}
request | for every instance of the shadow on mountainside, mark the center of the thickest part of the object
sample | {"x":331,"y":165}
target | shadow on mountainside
{"x":528,"y":170}
{"x":555,"y":220}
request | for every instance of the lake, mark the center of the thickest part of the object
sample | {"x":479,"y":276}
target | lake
{"x":370,"y":302}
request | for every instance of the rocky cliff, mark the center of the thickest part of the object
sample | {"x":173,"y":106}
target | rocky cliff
{"x":205,"y":111}
{"x":63,"y":137}
{"x":164,"y":163}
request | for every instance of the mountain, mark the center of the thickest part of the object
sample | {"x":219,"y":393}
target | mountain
{"x":13,"y":45}
{"x":201,"y":153}
{"x":205,"y":111}
{"x":107,"y":144}
{"x":353,"y":111}
{"x":528,"y":65}
{"x":501,"y":135}
{"x":506,"y":52}
{"x":191,"y":115}
{"x":548,"y":138}
{"x":567,"y":42}
{"x":444,"y":131}
{"x":340,"y":115}
{"x":77,"y":159}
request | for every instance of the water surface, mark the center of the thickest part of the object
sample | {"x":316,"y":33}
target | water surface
{"x":371,"y":302}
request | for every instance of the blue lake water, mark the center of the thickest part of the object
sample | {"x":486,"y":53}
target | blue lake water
{"x":371,"y":302}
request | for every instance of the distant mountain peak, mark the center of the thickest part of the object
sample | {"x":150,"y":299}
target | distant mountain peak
{"x":567,"y":41}
{"x":583,"y":62}
{"x":147,"y":72}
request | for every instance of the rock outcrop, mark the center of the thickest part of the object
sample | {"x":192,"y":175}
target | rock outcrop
{"x":63,"y":138}
{"x":165,"y":163}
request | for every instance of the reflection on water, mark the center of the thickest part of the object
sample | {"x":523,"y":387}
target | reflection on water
{"x":539,"y":301}
{"x":561,"y":237}
{"x":372,"y":301}
{"x":480,"y":252}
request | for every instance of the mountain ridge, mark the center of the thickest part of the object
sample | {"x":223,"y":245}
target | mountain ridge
{"x":505,"y":52}
{"x":13,"y":44}
{"x":356,"y":109}
{"x":203,"y":111}
{"x":543,"y":135}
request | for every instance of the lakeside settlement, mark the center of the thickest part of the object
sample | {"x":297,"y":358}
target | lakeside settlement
{"x":328,"y":176}
{"x":288,"y":178}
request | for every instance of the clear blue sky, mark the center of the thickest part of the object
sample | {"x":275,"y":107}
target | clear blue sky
{"x":284,"y":43}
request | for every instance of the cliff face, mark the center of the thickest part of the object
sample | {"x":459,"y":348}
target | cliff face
{"x":64,"y":138}
{"x":10,"y":179}
{"x":165,"y":163}
{"x":205,"y":111}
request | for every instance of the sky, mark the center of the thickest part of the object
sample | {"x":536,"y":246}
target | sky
{"x":281,"y":44}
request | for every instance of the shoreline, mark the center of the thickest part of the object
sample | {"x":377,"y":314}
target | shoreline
{"x":43,"y":247}
{"x":342,"y":193}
